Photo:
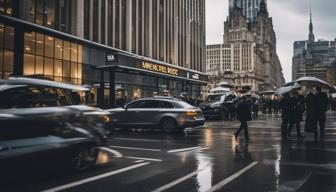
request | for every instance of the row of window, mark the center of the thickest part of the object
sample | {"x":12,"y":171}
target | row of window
{"x":48,"y":46}
{"x":6,"y":51}
{"x":6,"y":7}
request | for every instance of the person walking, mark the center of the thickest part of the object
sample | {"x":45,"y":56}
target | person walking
{"x":298,"y":109}
{"x":286,"y":114}
{"x":320,"y":108}
{"x":244,"y":115}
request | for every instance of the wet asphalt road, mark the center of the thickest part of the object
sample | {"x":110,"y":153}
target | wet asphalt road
{"x":206,"y":159}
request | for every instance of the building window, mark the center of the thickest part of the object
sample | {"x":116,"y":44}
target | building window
{"x":6,"y":51}
{"x":52,"y":58}
{"x":6,"y":7}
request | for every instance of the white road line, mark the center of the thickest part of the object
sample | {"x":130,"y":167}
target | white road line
{"x":143,"y":158}
{"x":180,"y":180}
{"x":231,"y":178}
{"x":185,"y":149}
{"x":114,"y":152}
{"x":90,"y":179}
{"x":132,"y":139}
{"x":135,"y":148}
{"x":139,"y":161}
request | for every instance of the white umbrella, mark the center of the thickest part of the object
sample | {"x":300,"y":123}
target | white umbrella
{"x":269,"y":92}
{"x":226,"y":84}
{"x":314,"y":82}
{"x":219,"y":89}
{"x":287,"y":89}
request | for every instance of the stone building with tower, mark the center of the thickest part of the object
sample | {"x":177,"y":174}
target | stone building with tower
{"x":249,"y":56}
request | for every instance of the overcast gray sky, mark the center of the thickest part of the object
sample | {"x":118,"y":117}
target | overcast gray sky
{"x":290,"y":20}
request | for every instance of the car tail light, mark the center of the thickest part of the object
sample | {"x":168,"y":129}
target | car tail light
{"x":191,"y":113}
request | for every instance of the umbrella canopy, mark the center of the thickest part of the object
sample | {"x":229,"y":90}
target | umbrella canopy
{"x":226,"y":84}
{"x":219,"y":89}
{"x":269,"y":92}
{"x":314,"y":82}
{"x":287,"y":89}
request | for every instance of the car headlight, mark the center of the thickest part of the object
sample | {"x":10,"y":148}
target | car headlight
{"x":107,"y":119}
{"x":215,"y":105}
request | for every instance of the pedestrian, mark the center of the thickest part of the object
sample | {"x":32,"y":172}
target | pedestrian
{"x":286,"y":113}
{"x":244,"y":115}
{"x":276,"y":106}
{"x":321,"y":107}
{"x":255,"y":110}
{"x":269,"y":105}
{"x":310,"y":124}
{"x":298,"y":108}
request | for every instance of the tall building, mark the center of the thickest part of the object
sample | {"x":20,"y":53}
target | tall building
{"x":249,"y":52}
{"x":314,"y":58}
{"x":214,"y":59}
{"x":249,"y":8}
{"x":142,"y":46}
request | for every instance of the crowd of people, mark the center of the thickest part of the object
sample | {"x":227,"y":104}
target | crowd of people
{"x":293,"y":105}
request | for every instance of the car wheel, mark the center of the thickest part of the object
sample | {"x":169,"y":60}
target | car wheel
{"x":168,"y":125}
{"x":84,"y":158}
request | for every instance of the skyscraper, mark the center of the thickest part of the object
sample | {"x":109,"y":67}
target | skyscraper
{"x":311,"y":37}
{"x":155,"y":45}
{"x":249,"y":8}
{"x":314,"y":58}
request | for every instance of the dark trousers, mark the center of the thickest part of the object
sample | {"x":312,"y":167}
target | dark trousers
{"x":298,"y":128}
{"x":243,"y":125}
{"x":284,"y":127}
{"x":322,"y":126}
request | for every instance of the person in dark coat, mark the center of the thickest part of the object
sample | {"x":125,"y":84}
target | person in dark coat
{"x":286,"y":114}
{"x":320,"y":108}
{"x":244,"y":115}
{"x":310,"y":124}
{"x":255,"y":109}
{"x":298,"y":108}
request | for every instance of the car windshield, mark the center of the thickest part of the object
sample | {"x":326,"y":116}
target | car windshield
{"x":213,"y":98}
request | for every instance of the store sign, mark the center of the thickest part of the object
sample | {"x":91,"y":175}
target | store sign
{"x":160,"y":68}
{"x":111,"y":57}
{"x":195,"y":76}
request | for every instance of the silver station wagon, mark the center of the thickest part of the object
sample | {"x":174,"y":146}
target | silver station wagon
{"x":168,"y":114}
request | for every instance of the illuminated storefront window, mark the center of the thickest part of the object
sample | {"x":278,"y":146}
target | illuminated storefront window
{"x":52,"y":58}
{"x":6,"y":7}
{"x":6,"y":51}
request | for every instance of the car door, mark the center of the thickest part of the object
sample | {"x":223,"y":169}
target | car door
{"x":149,"y":113}
{"x":130,"y":114}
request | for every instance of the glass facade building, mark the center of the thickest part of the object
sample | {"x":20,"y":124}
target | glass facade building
{"x":158,"y":48}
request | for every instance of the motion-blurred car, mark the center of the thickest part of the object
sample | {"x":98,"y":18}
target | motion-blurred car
{"x":22,"y":92}
{"x":42,"y":138}
{"x":218,"y":105}
{"x":168,"y":114}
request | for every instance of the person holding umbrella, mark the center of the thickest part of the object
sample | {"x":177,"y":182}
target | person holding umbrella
{"x":286,"y":114}
{"x":310,"y":124}
{"x":321,"y":107}
{"x":298,"y":106}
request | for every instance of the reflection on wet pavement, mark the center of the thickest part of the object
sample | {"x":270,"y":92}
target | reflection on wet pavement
{"x":209,"y":159}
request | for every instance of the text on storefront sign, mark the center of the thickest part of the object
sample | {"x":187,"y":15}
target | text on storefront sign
{"x":160,"y":68}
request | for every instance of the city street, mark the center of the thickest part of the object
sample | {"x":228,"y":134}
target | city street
{"x":206,"y":159}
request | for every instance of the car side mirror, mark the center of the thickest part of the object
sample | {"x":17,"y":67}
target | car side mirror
{"x":125,"y":107}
